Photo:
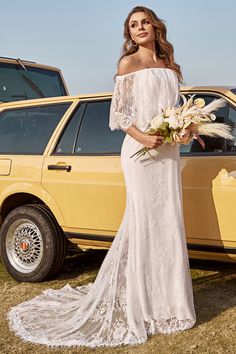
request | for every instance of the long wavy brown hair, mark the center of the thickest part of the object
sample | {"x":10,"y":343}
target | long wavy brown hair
{"x":164,"y":49}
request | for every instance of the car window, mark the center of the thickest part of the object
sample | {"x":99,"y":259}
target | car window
{"x":19,"y":84}
{"x":66,"y":143}
{"x":95,"y":136}
{"x":28,"y":130}
{"x":231,"y":144}
{"x":212,"y":145}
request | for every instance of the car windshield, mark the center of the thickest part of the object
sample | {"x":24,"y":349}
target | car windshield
{"x":22,"y":82}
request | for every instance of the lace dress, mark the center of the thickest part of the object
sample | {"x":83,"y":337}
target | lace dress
{"x":144,"y":285}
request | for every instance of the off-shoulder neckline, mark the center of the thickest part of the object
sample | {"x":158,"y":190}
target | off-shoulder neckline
{"x":140,"y":70}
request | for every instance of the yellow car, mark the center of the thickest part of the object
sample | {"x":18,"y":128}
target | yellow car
{"x":61,"y":182}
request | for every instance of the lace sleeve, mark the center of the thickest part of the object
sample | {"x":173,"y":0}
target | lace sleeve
{"x":122,"y":112}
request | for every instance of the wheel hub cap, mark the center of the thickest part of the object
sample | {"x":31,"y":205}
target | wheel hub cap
{"x":24,"y":245}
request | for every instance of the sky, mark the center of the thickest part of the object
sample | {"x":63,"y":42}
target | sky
{"x":84,"y":38}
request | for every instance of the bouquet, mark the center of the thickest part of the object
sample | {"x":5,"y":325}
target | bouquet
{"x":187,"y":122}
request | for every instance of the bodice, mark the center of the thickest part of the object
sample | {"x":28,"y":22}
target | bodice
{"x":140,"y":95}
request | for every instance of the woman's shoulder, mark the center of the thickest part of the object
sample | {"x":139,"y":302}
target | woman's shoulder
{"x":127,"y":65}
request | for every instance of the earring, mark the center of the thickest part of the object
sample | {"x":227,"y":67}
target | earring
{"x":132,"y":44}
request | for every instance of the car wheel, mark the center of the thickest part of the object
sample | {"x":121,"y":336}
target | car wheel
{"x":32,"y":246}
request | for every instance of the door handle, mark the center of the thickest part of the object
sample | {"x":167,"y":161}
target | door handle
{"x":66,"y":168}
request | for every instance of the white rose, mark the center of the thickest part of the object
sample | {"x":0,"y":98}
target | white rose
{"x":173,"y":122}
{"x":157,"y":121}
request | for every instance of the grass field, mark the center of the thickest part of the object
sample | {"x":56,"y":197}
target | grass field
{"x":215,"y":302}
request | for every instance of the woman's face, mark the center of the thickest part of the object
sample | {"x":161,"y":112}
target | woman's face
{"x":140,"y":28}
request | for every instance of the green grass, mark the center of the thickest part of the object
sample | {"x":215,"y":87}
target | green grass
{"x":214,"y":286}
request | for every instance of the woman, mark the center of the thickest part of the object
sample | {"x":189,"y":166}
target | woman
{"x":144,"y":284}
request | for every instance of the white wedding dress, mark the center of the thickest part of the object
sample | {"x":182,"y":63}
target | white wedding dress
{"x":144,"y":285}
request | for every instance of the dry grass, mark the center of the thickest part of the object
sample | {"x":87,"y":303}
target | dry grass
{"x":215,"y":302}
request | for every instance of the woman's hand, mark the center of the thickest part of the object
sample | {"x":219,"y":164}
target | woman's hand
{"x":150,"y":141}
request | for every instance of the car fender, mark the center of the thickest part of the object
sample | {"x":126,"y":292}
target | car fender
{"x":37,"y":191}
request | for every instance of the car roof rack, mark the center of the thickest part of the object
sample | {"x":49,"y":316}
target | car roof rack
{"x":28,"y":61}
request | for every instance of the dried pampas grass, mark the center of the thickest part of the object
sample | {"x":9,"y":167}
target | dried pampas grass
{"x":214,"y":105}
{"x":214,"y":130}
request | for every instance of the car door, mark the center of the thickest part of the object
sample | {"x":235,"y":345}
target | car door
{"x":24,"y":134}
{"x":83,"y":173}
{"x":209,"y":189}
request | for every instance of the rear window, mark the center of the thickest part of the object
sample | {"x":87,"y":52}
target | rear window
{"x":19,"y":84}
{"x":28,"y":130}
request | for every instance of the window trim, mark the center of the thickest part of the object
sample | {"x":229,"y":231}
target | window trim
{"x":203,"y":91}
{"x":36,"y":105}
{"x":200,"y":154}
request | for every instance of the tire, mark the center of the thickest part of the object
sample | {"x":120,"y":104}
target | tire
{"x":61,"y":244}
{"x":32,"y":244}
